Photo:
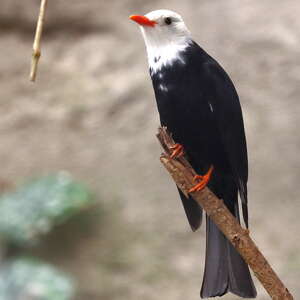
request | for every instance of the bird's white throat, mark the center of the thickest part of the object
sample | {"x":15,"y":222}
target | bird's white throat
{"x":164,"y":53}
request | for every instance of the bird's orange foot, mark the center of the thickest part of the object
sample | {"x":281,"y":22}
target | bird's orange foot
{"x":204,"y":179}
{"x":177,"y":151}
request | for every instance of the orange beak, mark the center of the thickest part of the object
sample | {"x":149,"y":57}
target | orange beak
{"x":143,"y":21}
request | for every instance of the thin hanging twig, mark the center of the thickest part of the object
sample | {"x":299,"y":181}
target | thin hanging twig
{"x":183,"y":174}
{"x":37,"y":41}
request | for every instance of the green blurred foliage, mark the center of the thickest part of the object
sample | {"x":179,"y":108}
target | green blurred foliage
{"x":37,"y":206}
{"x":24,"y":279}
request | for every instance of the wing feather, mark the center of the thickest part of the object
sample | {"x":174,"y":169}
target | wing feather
{"x":229,"y":118}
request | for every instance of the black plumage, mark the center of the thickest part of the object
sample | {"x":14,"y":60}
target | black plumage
{"x":199,"y":105}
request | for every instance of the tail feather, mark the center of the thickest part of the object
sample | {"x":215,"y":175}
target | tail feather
{"x":225,"y":270}
{"x":215,"y":279}
{"x":240,"y":281}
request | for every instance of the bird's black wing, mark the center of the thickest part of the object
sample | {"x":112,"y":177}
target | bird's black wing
{"x":192,"y":209}
{"x":228,"y":115}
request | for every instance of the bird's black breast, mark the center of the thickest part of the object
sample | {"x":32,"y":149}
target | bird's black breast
{"x":184,"y":108}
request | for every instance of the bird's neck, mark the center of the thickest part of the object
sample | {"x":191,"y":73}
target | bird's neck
{"x":162,"y":55}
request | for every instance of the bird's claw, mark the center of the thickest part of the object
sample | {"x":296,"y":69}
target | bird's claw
{"x":177,"y":151}
{"x":197,"y":177}
{"x":204,"y":181}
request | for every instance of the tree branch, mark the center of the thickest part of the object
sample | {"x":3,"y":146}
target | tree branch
{"x":37,"y":41}
{"x":183,"y":174}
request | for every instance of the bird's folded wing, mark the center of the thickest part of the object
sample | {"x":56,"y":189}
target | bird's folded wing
{"x":228,"y":115}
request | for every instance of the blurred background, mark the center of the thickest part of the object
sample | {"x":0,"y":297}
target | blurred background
{"x":92,"y":115}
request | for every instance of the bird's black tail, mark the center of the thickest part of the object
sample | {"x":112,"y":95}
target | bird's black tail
{"x":225,"y":270}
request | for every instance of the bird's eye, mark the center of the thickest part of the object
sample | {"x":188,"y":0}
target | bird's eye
{"x":168,"y":20}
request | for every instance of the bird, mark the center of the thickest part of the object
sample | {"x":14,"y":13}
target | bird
{"x":198,"y":103}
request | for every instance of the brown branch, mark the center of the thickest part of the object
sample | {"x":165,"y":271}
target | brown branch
{"x":182,"y":173}
{"x":37,"y":41}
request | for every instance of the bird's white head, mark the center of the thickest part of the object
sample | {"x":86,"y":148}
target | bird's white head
{"x":165,"y":35}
